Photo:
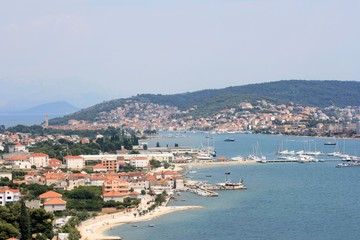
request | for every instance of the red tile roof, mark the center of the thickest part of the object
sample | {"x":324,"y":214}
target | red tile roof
{"x":18,"y":158}
{"x":99,"y":166}
{"x":50,"y":194}
{"x":55,"y":201}
{"x":38,"y":155}
{"x":114,"y":194}
{"x":4,"y":189}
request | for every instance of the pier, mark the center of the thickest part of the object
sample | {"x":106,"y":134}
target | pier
{"x":227,"y":187}
{"x":207,"y":190}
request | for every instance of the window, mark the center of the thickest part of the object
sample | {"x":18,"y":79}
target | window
{"x":8,"y":197}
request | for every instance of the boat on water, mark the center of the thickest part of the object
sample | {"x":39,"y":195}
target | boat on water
{"x":237,"y":158}
{"x":330,"y":143}
{"x":228,"y":185}
{"x":229,"y":140}
{"x":349,"y":164}
{"x":227,"y":172}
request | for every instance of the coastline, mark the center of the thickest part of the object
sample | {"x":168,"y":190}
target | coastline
{"x":94,"y":228}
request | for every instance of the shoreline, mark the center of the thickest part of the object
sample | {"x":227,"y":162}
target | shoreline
{"x":95,"y":228}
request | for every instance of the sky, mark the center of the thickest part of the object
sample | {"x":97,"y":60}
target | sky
{"x":86,"y":52}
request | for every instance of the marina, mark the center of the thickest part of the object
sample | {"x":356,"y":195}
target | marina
{"x":300,"y":196}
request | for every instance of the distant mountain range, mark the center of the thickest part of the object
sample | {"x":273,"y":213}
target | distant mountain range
{"x":303,"y":92}
{"x":59,"y":108}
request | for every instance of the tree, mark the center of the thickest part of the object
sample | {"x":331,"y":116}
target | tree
{"x":155,"y":163}
{"x":41,"y":223}
{"x":24,"y":222}
{"x":7,"y":230}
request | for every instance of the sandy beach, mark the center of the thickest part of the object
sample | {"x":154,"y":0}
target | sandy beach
{"x":94,"y":228}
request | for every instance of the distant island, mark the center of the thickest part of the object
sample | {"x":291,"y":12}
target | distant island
{"x":298,"y":107}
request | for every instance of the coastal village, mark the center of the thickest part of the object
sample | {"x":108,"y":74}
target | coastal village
{"x":156,"y":172}
{"x":136,"y":183}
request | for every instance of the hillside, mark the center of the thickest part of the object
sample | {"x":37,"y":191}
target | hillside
{"x":308,"y":93}
{"x":60,"y":107}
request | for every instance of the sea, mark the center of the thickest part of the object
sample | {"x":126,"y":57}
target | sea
{"x":282,"y":201}
{"x":10,"y":120}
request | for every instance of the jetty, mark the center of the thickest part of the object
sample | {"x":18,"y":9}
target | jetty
{"x":207,"y":190}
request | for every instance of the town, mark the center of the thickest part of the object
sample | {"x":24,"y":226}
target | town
{"x":69,"y":178}
{"x":258,"y":117}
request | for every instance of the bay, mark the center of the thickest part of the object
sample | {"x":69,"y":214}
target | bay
{"x":283,"y":200}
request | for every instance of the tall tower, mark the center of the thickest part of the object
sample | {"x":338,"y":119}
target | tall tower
{"x":46,"y":123}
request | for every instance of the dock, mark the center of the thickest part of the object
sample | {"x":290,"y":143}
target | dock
{"x":227,"y":187}
{"x":203,"y":192}
{"x":207,"y":190}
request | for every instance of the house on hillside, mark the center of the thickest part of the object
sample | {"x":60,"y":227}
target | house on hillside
{"x":99,"y":168}
{"x":52,"y":201}
{"x":8,"y":195}
{"x":19,"y":162}
{"x":74,"y":162}
{"x":39,"y":159}
{"x":55,"y":204}
{"x":55,"y":163}
{"x":18,"y":147}
{"x":115,"y":189}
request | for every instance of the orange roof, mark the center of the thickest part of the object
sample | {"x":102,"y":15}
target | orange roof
{"x":55,"y":201}
{"x":134,"y":193}
{"x":60,"y":175}
{"x":114,"y":194}
{"x":150,"y":178}
{"x":18,"y":158}
{"x":50,"y":194}
{"x":54,"y":160}
{"x":4,"y":189}
{"x":12,"y":238}
{"x":99,"y":166}
{"x":38,"y":155}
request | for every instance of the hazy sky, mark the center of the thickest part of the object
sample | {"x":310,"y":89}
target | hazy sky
{"x":85,"y":52}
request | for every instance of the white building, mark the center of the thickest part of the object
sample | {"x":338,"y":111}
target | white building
{"x":74,"y":162}
{"x":17,"y":148}
{"x":20,"y":162}
{"x":55,"y":204}
{"x":140,"y":162}
{"x":39,"y":159}
{"x":8,"y":195}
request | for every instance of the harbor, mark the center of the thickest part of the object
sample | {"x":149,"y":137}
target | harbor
{"x":277,"y":194}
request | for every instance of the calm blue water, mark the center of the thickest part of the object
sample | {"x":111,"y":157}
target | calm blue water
{"x":283,"y":201}
{"x":12,"y":120}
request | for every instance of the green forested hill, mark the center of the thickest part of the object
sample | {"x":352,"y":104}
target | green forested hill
{"x":308,"y":93}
